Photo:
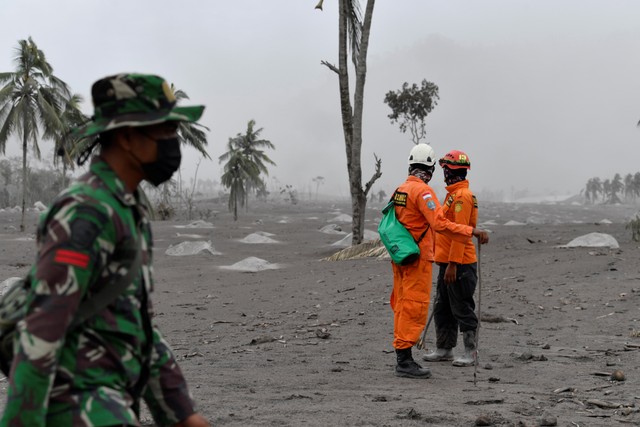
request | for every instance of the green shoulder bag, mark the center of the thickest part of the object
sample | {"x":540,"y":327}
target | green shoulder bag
{"x":398,"y":241}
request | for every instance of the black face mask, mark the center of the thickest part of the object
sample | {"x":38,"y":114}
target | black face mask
{"x":452,"y":176}
{"x":167,"y":161}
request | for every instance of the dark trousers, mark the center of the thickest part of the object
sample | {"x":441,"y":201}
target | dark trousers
{"x":455,"y":307}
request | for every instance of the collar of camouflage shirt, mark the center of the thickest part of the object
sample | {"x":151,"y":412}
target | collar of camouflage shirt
{"x":103,"y":171}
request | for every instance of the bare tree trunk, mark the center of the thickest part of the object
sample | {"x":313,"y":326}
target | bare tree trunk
{"x":165,"y":194}
{"x":353,"y":162}
{"x":24,"y":178}
{"x":352,"y":119}
{"x":359,"y":198}
{"x":235,"y":207}
{"x":64,"y":173}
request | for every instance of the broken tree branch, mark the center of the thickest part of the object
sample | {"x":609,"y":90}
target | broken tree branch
{"x":331,"y":67}
{"x":376,"y":175}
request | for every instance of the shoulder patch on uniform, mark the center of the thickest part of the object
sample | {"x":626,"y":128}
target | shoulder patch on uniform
{"x":83,"y":233}
{"x":458,"y":207}
{"x":426,"y":196}
{"x":400,"y":199}
{"x":449,"y":200}
{"x":431,"y":204}
{"x":77,"y":259}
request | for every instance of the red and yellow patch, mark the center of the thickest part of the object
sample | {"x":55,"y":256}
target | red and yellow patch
{"x":77,"y":259}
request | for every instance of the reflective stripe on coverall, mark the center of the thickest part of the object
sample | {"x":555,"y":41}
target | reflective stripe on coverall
{"x":416,"y":208}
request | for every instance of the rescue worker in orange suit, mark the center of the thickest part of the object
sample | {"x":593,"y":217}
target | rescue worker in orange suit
{"x":458,"y":275}
{"x":418,"y":209}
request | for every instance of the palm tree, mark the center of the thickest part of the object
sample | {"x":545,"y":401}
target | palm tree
{"x":636,"y":184}
{"x":239,"y":172}
{"x":606,"y":190}
{"x":587,"y":189}
{"x":616,"y":187}
{"x":593,"y":189}
{"x":65,"y":142}
{"x":598,"y":188}
{"x":30,"y":104}
{"x":628,"y":187}
{"x":252,"y":148}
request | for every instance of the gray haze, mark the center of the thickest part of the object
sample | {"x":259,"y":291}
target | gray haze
{"x":541,"y":94}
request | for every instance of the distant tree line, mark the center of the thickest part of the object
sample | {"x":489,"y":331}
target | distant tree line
{"x":615,"y":190}
{"x":35,"y":106}
{"x":42,"y":184}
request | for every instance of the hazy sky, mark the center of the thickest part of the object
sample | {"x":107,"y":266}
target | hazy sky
{"x":541,"y":94}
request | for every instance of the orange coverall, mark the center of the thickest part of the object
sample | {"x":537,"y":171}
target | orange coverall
{"x":460,"y":206}
{"x":417,"y":208}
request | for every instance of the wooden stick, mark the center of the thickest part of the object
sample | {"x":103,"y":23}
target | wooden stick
{"x":421,"y":343}
{"x":475,"y":365}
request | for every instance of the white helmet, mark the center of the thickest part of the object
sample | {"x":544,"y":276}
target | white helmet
{"x":422,"y":154}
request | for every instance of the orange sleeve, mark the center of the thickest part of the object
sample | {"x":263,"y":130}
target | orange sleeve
{"x":432,"y":211}
{"x":462,"y":209}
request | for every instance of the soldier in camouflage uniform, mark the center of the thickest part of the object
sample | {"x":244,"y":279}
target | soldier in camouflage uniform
{"x":94,"y":374}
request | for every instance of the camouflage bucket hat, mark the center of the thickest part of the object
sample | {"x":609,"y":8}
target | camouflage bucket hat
{"x":134,"y":100}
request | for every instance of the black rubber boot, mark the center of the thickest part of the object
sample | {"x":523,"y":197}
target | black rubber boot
{"x":470,"y":352}
{"x":407,"y":367}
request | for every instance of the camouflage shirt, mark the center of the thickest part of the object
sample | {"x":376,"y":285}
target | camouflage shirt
{"x":83,"y":377}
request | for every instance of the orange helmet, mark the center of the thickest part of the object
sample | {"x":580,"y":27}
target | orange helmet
{"x":455,"y":159}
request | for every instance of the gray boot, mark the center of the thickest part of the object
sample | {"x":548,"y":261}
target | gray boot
{"x":470,"y":353}
{"x":439,"y":355}
{"x":407,"y":367}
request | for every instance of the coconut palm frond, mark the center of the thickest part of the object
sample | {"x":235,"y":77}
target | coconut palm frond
{"x":67,"y":146}
{"x":6,"y":76}
{"x":8,"y":117}
{"x":50,"y":115}
{"x":354,"y":27}
{"x":193,"y":135}
{"x":250,"y":145}
{"x":61,"y":88}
